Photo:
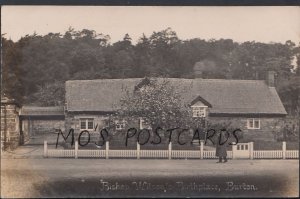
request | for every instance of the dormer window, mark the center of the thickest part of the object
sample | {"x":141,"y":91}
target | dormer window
{"x":199,"y":111}
{"x":200,"y":107}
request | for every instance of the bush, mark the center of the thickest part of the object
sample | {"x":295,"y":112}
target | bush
{"x":273,"y":145}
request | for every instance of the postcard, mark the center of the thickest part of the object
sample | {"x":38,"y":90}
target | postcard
{"x":150,"y":101}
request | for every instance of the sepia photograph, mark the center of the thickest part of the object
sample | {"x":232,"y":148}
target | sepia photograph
{"x":150,"y":101}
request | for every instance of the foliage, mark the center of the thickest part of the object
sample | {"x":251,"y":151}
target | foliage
{"x":35,"y":61}
{"x":159,"y":104}
{"x":289,"y":91}
{"x":224,"y":126}
{"x":11,"y":79}
{"x":288,"y":130}
{"x":50,"y":94}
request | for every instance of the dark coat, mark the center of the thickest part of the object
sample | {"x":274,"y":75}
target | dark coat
{"x":221,"y":150}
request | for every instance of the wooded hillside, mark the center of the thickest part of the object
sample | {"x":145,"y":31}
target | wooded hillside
{"x":35,"y":67}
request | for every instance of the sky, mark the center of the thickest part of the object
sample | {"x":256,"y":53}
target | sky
{"x":261,"y":24}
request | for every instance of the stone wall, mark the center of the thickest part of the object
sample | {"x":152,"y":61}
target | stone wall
{"x":38,"y":130}
{"x":268,"y":126}
{"x":34,"y":127}
{"x":73,"y":121}
{"x":118,"y":138}
{"x":10,"y":129}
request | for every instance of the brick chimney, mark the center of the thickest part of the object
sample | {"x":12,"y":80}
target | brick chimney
{"x":198,"y":71}
{"x":198,"y":74}
{"x":270,"y":80}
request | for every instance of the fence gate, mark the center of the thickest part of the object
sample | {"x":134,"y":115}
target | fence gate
{"x":241,"y":150}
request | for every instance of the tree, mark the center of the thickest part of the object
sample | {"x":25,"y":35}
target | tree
{"x":120,"y":58}
{"x":11,"y":77}
{"x":85,"y":54}
{"x":142,"y":52}
{"x":50,"y":94}
{"x":297,"y":56}
{"x":290,"y":95}
{"x":159,"y":104}
{"x":164,"y":60}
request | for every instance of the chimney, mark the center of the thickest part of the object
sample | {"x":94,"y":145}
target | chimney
{"x":198,"y":74}
{"x":270,"y":78}
{"x":198,"y":71}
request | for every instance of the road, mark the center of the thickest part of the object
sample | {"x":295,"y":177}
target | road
{"x":34,"y":176}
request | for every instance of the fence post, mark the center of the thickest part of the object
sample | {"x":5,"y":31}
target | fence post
{"x":233,"y":151}
{"x":283,"y":150}
{"x":76,"y":149}
{"x":201,"y":149}
{"x":45,"y":149}
{"x":170,"y":150}
{"x":106,"y":149}
{"x":138,"y":150}
{"x":251,"y":150}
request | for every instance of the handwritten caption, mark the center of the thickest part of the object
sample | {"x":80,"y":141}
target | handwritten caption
{"x":228,"y":186}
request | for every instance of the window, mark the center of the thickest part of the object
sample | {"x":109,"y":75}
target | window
{"x":253,"y":123}
{"x":199,"y":111}
{"x":144,"y":124}
{"x":120,"y":124}
{"x":87,"y":124}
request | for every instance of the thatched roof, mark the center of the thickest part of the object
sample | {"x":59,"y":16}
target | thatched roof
{"x":225,"y":96}
{"x":42,"y":111}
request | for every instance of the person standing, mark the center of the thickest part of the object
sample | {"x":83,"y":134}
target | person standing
{"x":221,"y":150}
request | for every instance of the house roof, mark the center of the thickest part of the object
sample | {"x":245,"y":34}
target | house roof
{"x":225,"y":96}
{"x":200,"y":99}
{"x":42,"y":111}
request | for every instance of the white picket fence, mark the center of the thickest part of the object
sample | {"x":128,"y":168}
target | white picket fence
{"x":292,"y":154}
{"x":241,"y":150}
{"x":268,"y":154}
{"x":61,"y":153}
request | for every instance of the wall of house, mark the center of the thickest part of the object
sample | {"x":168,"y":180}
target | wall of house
{"x":268,"y":126}
{"x":33,"y":127}
{"x":117,"y":137}
{"x":73,"y":121}
{"x":10,"y":133}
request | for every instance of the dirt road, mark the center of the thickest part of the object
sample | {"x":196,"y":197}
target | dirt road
{"x":34,"y":176}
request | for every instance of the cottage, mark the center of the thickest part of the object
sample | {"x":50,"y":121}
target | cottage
{"x":252,"y":105}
